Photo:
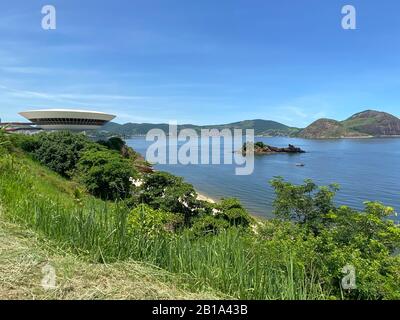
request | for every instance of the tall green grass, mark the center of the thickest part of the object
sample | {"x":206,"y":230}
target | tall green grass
{"x":229,"y":262}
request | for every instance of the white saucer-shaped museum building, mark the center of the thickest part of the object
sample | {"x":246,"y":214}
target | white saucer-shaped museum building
{"x":64,"y":119}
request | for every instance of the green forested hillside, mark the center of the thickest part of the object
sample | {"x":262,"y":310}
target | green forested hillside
{"x":368,"y":123}
{"x":261,"y":127}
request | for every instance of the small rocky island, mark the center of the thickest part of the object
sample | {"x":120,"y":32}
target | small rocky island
{"x":262,"y":148}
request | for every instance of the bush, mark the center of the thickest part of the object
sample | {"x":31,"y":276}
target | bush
{"x":167,"y":192}
{"x":208,"y":225}
{"x":28,"y":143}
{"x":152,"y":223}
{"x":113,"y":143}
{"x":5,"y":143}
{"x":232,"y":211}
{"x":60,"y":151}
{"x":307,"y":204}
{"x":260,"y":145}
{"x":117,"y":144}
{"x":368,"y":241}
{"x":105,"y":174}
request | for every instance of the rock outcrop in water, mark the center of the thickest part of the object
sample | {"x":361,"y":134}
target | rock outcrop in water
{"x":262,"y":148}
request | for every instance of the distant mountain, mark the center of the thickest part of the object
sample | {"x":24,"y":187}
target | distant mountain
{"x":328,"y":128}
{"x":374,"y":123}
{"x":261,"y":128}
{"x":369,"y":123}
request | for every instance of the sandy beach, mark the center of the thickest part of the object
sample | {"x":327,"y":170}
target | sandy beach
{"x":204,"y":198}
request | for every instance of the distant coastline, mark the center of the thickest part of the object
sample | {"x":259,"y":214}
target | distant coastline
{"x":362,"y":125}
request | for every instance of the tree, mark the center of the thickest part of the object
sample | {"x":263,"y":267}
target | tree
{"x":28,"y":143}
{"x":307,"y":203}
{"x":105,"y":174}
{"x":117,"y":144}
{"x":113,"y":143}
{"x":167,"y":192}
{"x":260,"y":145}
{"x":60,"y":151}
{"x":232,"y":211}
{"x":368,"y":241}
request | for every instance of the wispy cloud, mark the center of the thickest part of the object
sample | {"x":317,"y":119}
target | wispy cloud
{"x":72,"y":97}
{"x":26,"y":70}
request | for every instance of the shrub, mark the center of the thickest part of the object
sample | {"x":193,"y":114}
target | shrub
{"x":60,"y":151}
{"x":105,"y":174}
{"x":28,"y":143}
{"x":152,"y":223}
{"x":208,"y":225}
{"x":232,"y":211}
{"x":5,"y":143}
{"x":260,"y":145}
{"x":117,"y":144}
{"x":307,"y":204}
{"x":368,"y":240}
{"x":113,"y":143}
{"x":167,"y":192}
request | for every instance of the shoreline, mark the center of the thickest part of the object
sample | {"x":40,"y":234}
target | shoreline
{"x":295,"y":137}
{"x":202,"y":197}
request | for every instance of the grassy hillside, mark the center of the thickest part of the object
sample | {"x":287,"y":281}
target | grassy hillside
{"x":24,"y":251}
{"x":200,"y":247}
{"x":368,"y":123}
{"x":261,"y":127}
{"x":23,"y":254}
{"x":96,"y":231}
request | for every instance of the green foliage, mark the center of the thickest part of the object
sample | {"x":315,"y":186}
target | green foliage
{"x":167,"y":192}
{"x":261,"y":127}
{"x":5,"y":142}
{"x":298,"y":255}
{"x":232,"y":211}
{"x":99,"y":166}
{"x":105,"y":174}
{"x":236,"y":265}
{"x":152,"y":222}
{"x":208,"y":225}
{"x":368,"y":241}
{"x":363,"y":124}
{"x":28,"y":143}
{"x":307,"y":204}
{"x":260,"y":145}
{"x":59,"y":151}
{"x":117,"y":144}
{"x":113,"y":143}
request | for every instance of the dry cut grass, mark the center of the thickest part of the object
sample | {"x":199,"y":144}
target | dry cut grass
{"x":23,"y":255}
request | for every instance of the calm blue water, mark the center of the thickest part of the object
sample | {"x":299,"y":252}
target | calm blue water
{"x":365,"y":169}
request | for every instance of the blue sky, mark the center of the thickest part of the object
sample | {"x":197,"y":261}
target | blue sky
{"x":201,"y":61}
